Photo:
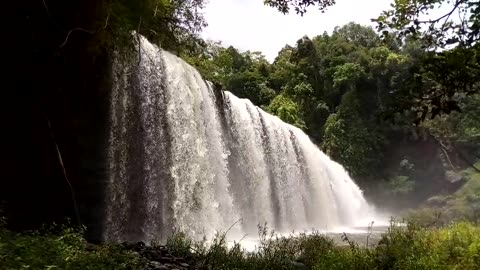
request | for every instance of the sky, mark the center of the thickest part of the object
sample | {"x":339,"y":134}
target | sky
{"x":249,"y":25}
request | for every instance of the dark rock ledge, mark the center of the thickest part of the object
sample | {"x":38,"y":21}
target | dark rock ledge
{"x":157,"y":257}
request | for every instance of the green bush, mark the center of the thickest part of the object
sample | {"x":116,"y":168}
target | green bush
{"x":412,"y":247}
{"x":60,"y":248}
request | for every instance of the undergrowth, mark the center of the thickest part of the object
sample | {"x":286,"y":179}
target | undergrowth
{"x":60,"y":247}
{"x":410,"y":246}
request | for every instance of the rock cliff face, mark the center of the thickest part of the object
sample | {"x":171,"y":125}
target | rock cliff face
{"x":52,"y":78}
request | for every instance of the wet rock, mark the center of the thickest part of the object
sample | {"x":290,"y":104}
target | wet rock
{"x":158,"y":257}
{"x":154,"y":255}
{"x":165,"y":260}
{"x":139,"y":246}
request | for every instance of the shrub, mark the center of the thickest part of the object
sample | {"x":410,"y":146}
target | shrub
{"x":412,"y":247}
{"x":60,"y":248}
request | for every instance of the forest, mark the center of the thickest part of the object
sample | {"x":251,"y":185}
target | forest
{"x":397,"y":104}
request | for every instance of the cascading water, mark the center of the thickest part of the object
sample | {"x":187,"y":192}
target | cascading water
{"x":184,"y":156}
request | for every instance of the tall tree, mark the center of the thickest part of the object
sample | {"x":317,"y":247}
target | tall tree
{"x":452,"y":68}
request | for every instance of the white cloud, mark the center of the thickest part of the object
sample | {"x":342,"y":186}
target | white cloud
{"x":249,"y":25}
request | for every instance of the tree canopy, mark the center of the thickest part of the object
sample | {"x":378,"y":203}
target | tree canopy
{"x":452,"y":68}
{"x":174,"y":25}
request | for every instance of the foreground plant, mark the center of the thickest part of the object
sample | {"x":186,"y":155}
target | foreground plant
{"x":403,"y":246}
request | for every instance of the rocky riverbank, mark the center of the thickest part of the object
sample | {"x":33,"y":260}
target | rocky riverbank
{"x":155,"y":257}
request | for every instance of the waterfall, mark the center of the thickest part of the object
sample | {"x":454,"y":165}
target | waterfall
{"x":182,"y":156}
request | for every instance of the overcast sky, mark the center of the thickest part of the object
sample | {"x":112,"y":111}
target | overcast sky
{"x":249,"y":25}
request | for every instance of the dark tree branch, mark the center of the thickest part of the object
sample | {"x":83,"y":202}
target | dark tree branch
{"x":445,"y":152}
{"x":106,"y":22}
{"x":46,"y":8}
{"x":457,"y":4}
{"x":64,"y":171}
{"x":70,"y":32}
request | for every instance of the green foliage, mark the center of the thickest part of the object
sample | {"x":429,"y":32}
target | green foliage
{"x":179,"y":243}
{"x":458,"y":127}
{"x":426,"y":216}
{"x":60,"y":248}
{"x":300,"y":7}
{"x":447,"y":72}
{"x":402,"y":181}
{"x":272,"y":253}
{"x":413,"y":247}
{"x":287,"y":110}
{"x":174,"y":25}
{"x":402,"y":246}
{"x":461,"y":205}
{"x":106,"y":257}
{"x":400,"y":184}
{"x":347,"y":73}
{"x":244,"y":74}
{"x":444,"y":30}
{"x":352,"y":140}
{"x":464,"y":204}
{"x":282,"y":70}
